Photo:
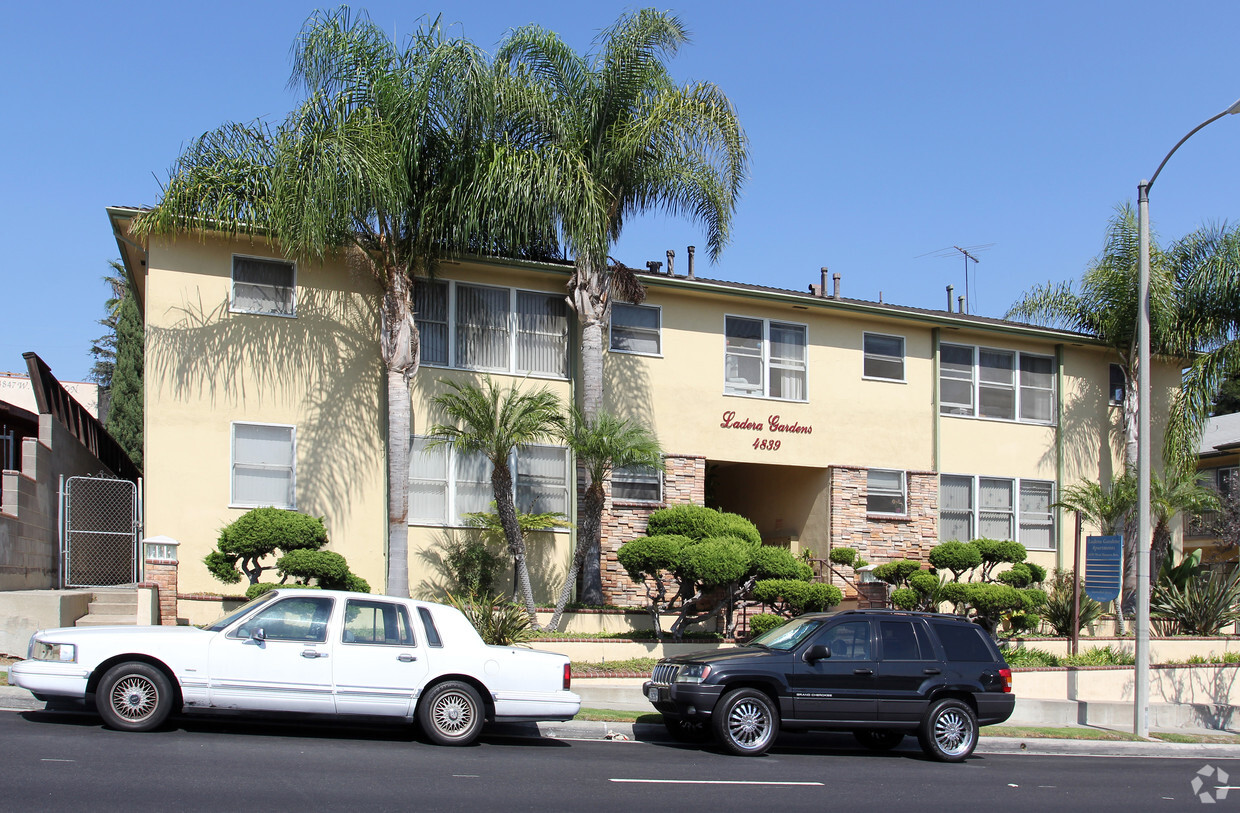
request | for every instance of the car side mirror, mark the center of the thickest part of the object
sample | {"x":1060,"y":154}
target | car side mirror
{"x":257,"y":634}
{"x":817,"y":652}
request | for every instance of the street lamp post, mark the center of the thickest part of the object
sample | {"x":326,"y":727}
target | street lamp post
{"x":1141,"y":710}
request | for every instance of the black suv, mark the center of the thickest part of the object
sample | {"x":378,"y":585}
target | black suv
{"x":878,"y":673}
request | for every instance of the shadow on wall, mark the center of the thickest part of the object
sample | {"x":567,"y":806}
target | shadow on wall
{"x":626,"y":387}
{"x":1209,"y":689}
{"x":322,"y":366}
{"x":1089,"y":434}
{"x":548,"y":566}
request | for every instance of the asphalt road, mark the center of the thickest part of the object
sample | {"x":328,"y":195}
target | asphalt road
{"x":60,"y":761}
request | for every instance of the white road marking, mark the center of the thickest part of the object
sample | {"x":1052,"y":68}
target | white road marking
{"x":465,"y":776}
{"x":57,"y":760}
{"x":709,"y":782}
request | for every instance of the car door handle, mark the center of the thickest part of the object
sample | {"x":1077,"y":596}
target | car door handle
{"x":313,"y":653}
{"x":930,"y":671}
{"x":406,"y":658}
{"x":863,"y":671}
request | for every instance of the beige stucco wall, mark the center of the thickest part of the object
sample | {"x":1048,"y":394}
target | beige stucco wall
{"x":207,"y":367}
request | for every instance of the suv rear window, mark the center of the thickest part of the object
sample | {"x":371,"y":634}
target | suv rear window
{"x":965,"y":642}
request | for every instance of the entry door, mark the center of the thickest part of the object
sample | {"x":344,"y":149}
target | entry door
{"x":285,"y":668}
{"x":840,"y":688}
{"x":379,"y":667}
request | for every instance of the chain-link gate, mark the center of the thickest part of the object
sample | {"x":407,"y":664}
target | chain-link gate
{"x":101,"y":532}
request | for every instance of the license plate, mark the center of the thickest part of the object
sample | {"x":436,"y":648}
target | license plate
{"x":653,"y":694}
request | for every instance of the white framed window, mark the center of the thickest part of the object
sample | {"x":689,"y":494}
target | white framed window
{"x":886,"y":492}
{"x":263,"y":286}
{"x":636,"y":329}
{"x":637,"y":484}
{"x":997,"y":508}
{"x":883,"y":356}
{"x":263,"y":465}
{"x":764,"y":358}
{"x":997,"y":384}
{"x":484,"y":327}
{"x":445,"y":485}
{"x":1117,"y":385}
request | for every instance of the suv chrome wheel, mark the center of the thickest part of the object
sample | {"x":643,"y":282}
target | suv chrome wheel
{"x":949,"y":731}
{"x":746,"y":722}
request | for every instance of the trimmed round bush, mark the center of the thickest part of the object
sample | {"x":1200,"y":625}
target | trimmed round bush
{"x":763,"y":623}
{"x":956,"y":557}
{"x":1018,"y":575}
{"x":924,"y":582}
{"x":1000,"y":550}
{"x":896,"y":572}
{"x":777,"y":563}
{"x":648,"y":555}
{"x":715,"y":562}
{"x":843,"y":556}
{"x":693,"y":521}
{"x":905,"y":598}
{"x":739,"y":527}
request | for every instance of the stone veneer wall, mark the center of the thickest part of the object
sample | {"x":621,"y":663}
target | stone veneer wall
{"x":684,"y":481}
{"x":879,"y":538}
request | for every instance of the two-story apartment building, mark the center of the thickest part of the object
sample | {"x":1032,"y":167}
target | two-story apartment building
{"x":828,"y":421}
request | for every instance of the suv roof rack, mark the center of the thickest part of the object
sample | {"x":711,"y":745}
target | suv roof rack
{"x":879,"y":611}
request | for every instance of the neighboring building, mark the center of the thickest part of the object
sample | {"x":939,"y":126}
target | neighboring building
{"x":15,"y":389}
{"x":1218,"y":467}
{"x":827,"y":421}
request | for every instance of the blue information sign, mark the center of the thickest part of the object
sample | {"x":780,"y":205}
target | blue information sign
{"x":1104,"y":567}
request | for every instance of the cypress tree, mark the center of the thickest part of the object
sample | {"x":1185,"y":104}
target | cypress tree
{"x":125,"y":417}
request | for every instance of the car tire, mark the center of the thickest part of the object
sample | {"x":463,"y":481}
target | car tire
{"x":949,"y":731}
{"x":746,"y":722}
{"x":134,"y":696}
{"x":683,"y":730}
{"x":451,"y":713}
{"x":879,"y":739}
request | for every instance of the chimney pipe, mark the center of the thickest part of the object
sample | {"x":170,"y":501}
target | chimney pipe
{"x":653,"y":266}
{"x":692,"y":249}
{"x":671,"y":258}
{"x":822,"y":291}
{"x":950,"y":290}
{"x":960,"y":302}
{"x":835,"y":286}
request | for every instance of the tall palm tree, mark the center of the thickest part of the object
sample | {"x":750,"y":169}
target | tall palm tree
{"x":601,"y":445}
{"x":1177,"y":491}
{"x":396,"y":157}
{"x":625,"y":139}
{"x":495,"y":422}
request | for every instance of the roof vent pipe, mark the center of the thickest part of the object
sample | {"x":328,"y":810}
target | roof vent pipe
{"x":653,"y":266}
{"x":960,"y":303}
{"x":950,"y":290}
{"x":671,"y":259}
{"x":692,"y":249}
{"x":822,"y":291}
{"x":835,"y":286}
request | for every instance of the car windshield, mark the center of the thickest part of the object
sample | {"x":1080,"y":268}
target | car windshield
{"x":789,"y":635}
{"x":240,"y":611}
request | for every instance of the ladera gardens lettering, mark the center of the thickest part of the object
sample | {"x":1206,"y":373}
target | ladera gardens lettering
{"x":773,"y":425}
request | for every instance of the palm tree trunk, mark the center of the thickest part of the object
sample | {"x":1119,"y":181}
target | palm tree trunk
{"x":501,"y":483}
{"x":588,"y":293}
{"x":588,"y":526}
{"x":399,"y":347}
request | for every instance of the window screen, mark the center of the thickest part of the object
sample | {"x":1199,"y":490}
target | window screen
{"x":635,"y":329}
{"x":262,"y":286}
{"x":263,"y":465}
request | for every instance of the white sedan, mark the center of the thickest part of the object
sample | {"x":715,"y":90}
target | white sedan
{"x":316,"y":651}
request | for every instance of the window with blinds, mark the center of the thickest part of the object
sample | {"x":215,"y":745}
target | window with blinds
{"x":997,"y":508}
{"x":765,"y":359}
{"x":263,"y":286}
{"x":1001,"y":385}
{"x":636,"y":329}
{"x":885,"y":492}
{"x":263,"y":465}
{"x":883,"y":356}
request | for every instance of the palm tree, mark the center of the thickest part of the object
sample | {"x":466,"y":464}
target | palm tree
{"x":1177,"y":491}
{"x":395,"y":158}
{"x":601,"y":446}
{"x":624,"y":139}
{"x":494,"y":422}
{"x":1110,"y":509}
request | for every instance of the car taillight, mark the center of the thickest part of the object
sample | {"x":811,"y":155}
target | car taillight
{"x":568,"y":675}
{"x":1006,"y":676}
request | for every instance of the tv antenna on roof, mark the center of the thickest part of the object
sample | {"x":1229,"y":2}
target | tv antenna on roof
{"x":968,"y":252}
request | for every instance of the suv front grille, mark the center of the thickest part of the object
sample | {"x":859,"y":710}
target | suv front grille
{"x":664,"y":673}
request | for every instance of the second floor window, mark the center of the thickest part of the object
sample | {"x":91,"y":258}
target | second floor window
{"x":635,"y":329}
{"x":884,"y":356}
{"x":764,"y":358}
{"x":263,"y":286}
{"x":1002,"y":384}
{"x":480,"y":327}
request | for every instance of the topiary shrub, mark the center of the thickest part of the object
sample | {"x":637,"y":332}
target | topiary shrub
{"x":693,"y":521}
{"x":649,"y":561}
{"x":763,"y":623}
{"x":792,"y":597}
{"x":957,"y":558}
{"x":905,"y":598}
{"x":247,"y":545}
{"x":255,"y":590}
{"x":897,"y":572}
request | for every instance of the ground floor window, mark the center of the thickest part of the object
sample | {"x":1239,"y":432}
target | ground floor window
{"x":637,"y":484}
{"x":997,"y":508}
{"x":886,"y":492}
{"x":263,"y":465}
{"x":445,"y":485}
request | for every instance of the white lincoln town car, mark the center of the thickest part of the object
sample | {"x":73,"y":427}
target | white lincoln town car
{"x":315,"y":651}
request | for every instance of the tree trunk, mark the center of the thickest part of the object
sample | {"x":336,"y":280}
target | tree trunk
{"x":399,"y":348}
{"x":505,"y":507}
{"x":588,"y":293}
{"x":590,"y":518}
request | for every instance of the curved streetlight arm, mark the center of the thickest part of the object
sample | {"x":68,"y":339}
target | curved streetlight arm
{"x":1235,"y":108}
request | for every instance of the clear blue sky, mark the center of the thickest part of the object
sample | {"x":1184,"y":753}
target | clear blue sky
{"x":880,"y":131}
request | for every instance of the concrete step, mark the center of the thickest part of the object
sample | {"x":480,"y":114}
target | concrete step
{"x":114,"y":606}
{"x":100,"y":620}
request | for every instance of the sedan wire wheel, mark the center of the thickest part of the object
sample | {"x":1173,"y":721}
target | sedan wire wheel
{"x":453,"y":712}
{"x":952,"y":732}
{"x":135,"y":698}
{"x":749,"y":724}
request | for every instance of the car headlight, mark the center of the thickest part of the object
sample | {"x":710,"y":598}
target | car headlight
{"x":43,"y":651}
{"x":693,"y":673}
